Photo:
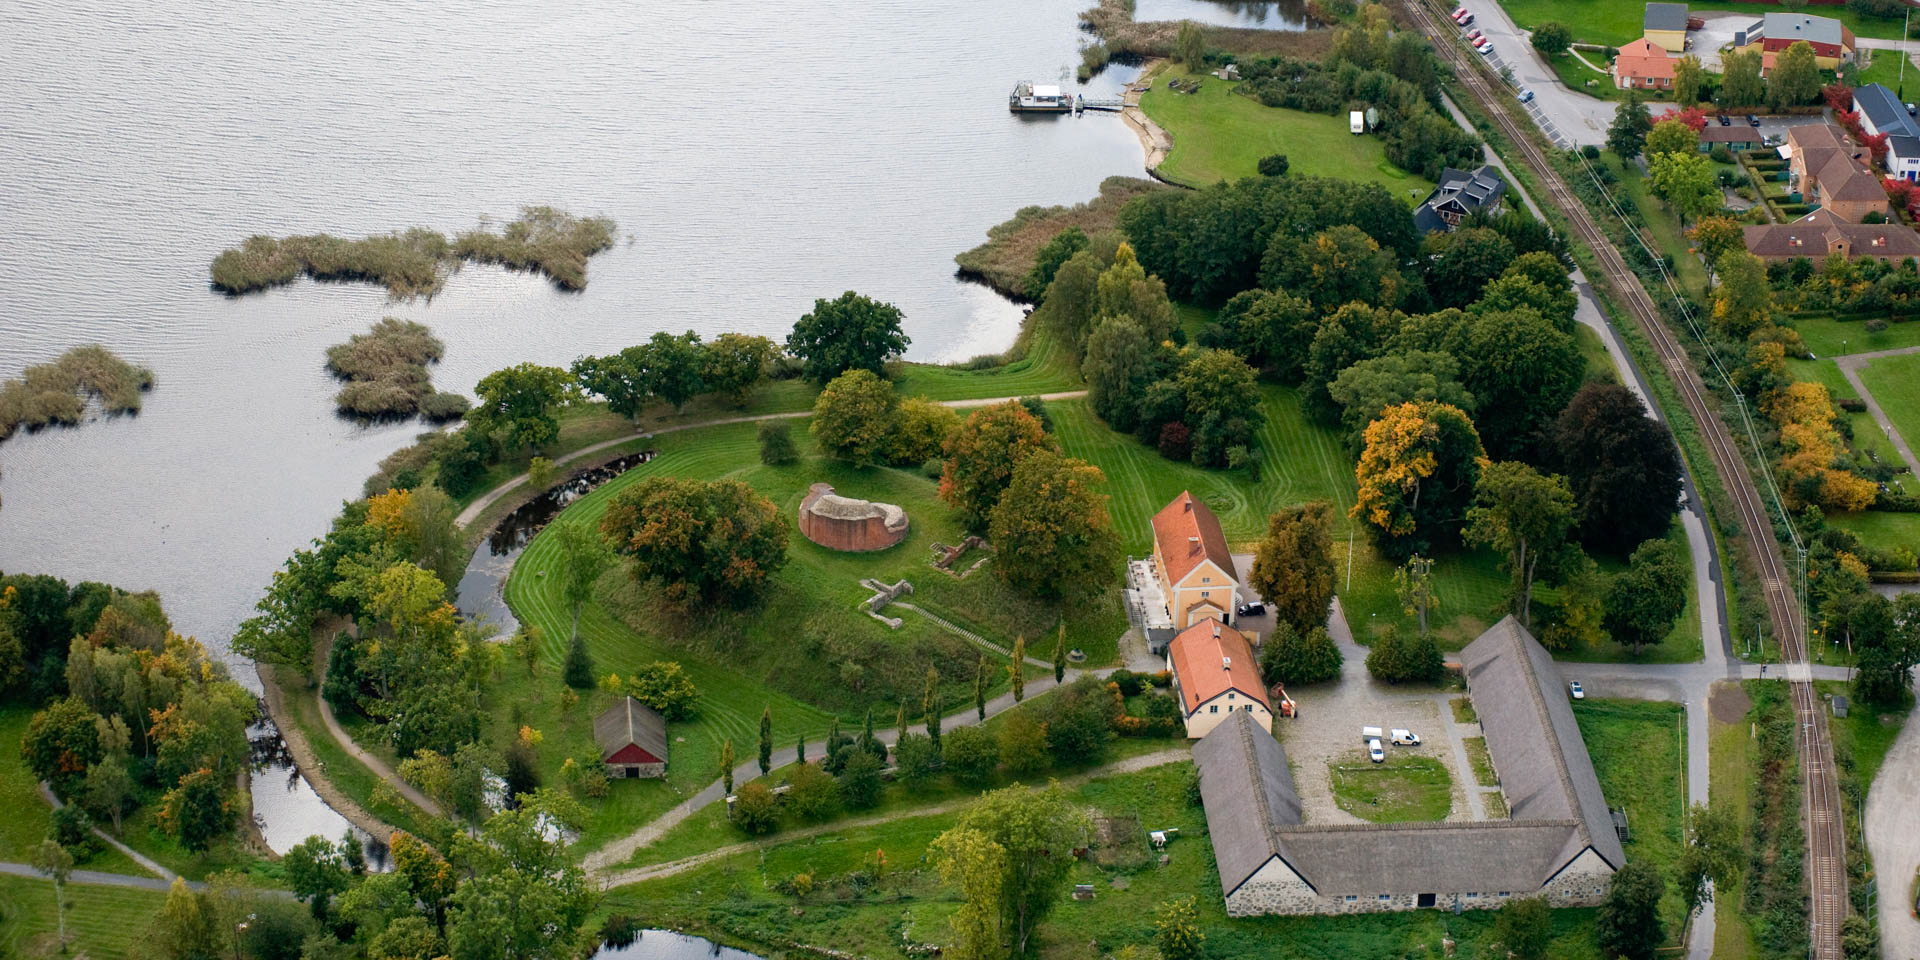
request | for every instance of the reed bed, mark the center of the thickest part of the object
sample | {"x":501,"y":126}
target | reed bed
{"x":416,"y":262}
{"x":58,"y":392}
{"x":386,"y":373}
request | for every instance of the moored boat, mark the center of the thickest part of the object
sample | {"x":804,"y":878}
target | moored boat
{"x":1029,"y":97}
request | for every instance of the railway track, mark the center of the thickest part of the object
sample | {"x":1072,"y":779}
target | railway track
{"x":1824,"y":825}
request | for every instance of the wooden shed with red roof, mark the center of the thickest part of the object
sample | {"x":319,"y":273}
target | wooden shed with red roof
{"x":632,"y":739}
{"x":1192,"y":563}
{"x":1215,"y":676}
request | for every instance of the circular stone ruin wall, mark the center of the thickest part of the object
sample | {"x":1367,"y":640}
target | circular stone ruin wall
{"x":840,"y":523}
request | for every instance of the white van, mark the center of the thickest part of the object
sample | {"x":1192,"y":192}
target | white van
{"x":1405,"y":738}
{"x":1356,"y":122}
{"x":1372,"y":733}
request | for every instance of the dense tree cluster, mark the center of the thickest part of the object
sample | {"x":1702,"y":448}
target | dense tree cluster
{"x":673,"y":369}
{"x":694,"y":540}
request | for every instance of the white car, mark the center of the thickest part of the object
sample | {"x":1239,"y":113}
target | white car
{"x":1485,"y":47}
{"x":1375,"y":753}
{"x":1579,"y":692}
{"x":1405,"y":738}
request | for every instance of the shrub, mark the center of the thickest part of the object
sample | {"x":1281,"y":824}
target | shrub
{"x":776,"y":443}
{"x":1590,"y":151}
{"x":440,"y":407}
{"x":1130,"y":683}
{"x":664,"y":686}
{"x":970,"y":754}
{"x":860,"y":780}
{"x":1273,"y":165}
{"x":1176,"y":442}
{"x":812,"y":792}
{"x":755,"y":809}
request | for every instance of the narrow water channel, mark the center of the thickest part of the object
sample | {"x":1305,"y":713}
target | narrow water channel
{"x":669,"y":945}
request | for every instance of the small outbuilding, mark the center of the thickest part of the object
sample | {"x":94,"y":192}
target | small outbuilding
{"x":1665,"y":25}
{"x":632,"y":739}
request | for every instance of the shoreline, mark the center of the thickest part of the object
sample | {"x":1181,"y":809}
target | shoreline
{"x":1155,"y":142}
{"x":308,"y":763}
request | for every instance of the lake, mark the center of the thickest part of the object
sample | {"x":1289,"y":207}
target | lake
{"x":754,"y":158}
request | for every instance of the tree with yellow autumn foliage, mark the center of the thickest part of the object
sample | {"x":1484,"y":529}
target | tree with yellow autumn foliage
{"x":1417,"y":474}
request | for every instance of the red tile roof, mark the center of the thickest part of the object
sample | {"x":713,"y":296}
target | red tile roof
{"x":1211,"y":658}
{"x":1642,"y":58}
{"x":1186,"y":532}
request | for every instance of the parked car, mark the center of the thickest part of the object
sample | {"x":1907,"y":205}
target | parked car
{"x":1374,"y":752}
{"x":1459,"y":12}
{"x":1579,"y":692}
{"x":1467,"y":21}
{"x":1485,"y":47}
{"x":1752,"y":121}
{"x":1474,"y":36}
{"x":1406,"y":738}
{"x":1526,"y":96}
{"x":1253,"y":609}
{"x":1725,"y":120}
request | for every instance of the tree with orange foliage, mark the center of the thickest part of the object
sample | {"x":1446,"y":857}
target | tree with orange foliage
{"x":981,"y":456}
{"x":1417,"y":474}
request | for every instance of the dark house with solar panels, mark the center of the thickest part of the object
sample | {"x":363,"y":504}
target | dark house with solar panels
{"x":632,"y":740}
{"x":1882,"y":112}
{"x":1460,"y":193}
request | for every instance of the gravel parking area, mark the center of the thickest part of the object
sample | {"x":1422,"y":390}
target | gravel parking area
{"x":1328,"y":727}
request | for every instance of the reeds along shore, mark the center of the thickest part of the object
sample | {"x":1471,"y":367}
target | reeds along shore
{"x":416,"y":262}
{"x":57,"y":392}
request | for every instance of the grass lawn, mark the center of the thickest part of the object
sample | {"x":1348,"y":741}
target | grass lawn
{"x":1219,"y":135}
{"x":1481,"y":760}
{"x":102,"y":922}
{"x":1826,"y":336}
{"x":1825,"y":372}
{"x":1463,"y":711}
{"x":1730,"y":786}
{"x":1639,"y":753}
{"x":1404,"y":788}
{"x":1895,"y":383}
{"x":1617,"y":22}
{"x":805,"y":649}
{"x":1884,"y":68}
{"x":1668,"y":235}
{"x":733,"y":898}
{"x":1599,"y":362}
{"x":1865,"y":733}
{"x":1878,"y":527}
{"x":1576,"y":74}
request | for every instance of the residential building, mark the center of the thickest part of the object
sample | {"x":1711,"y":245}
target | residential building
{"x":1665,"y":26}
{"x":1822,"y":233}
{"x":1558,"y":841}
{"x":1461,"y":192}
{"x":1216,"y":676}
{"x":1643,"y":65}
{"x":632,"y":740}
{"x":1192,"y":564}
{"x":1830,"y":170}
{"x":1737,"y":136}
{"x":1881,"y":112}
{"x":1832,"y":42}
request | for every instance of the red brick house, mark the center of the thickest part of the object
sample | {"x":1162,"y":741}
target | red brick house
{"x":632,"y":740}
{"x":1643,"y":65}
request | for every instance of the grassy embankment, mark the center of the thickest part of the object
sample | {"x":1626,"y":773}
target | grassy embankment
{"x":1730,"y":783}
{"x":542,"y":240}
{"x":1219,"y":135}
{"x":1618,"y":22}
{"x":386,"y":373}
{"x":1120,"y":35}
{"x":58,"y":392}
{"x":1403,"y":789}
{"x":102,"y":922}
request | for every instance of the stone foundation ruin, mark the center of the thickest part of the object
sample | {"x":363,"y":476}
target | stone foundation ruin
{"x":855,"y":526}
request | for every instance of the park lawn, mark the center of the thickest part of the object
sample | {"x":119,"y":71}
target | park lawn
{"x":805,"y":649}
{"x":1300,"y":462}
{"x":102,"y":922}
{"x":1618,"y":22}
{"x":1824,"y":372}
{"x":1881,"y":528}
{"x":1826,"y":336}
{"x":1403,"y":789}
{"x":1639,"y":754}
{"x":28,"y":817}
{"x":732,"y":898}
{"x":1865,"y":733}
{"x":1576,"y":74}
{"x":1220,"y":135}
{"x":1730,"y":786}
{"x":1895,"y":383}
{"x":1883,"y":68}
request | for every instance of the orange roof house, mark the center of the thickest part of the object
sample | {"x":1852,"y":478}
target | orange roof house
{"x":1214,"y":676}
{"x":1643,"y":65}
{"x":1192,"y":563}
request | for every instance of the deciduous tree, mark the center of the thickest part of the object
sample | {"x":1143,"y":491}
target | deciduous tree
{"x":671,"y":367}
{"x":1370,"y":386}
{"x":316,"y":873}
{"x":982,"y":455}
{"x":1293,"y":565}
{"x":710,"y":541}
{"x":1743,"y":301}
{"x":1125,"y":289}
{"x":1051,"y":533}
{"x":1047,"y":260}
{"x":1671,"y":136}
{"x":855,"y":416}
{"x":1688,"y":79}
{"x":1524,"y":513}
{"x":1630,"y":926}
{"x":920,"y":432}
{"x":734,"y":363}
{"x":197,"y":811}
{"x":1621,"y":465}
{"x":1288,"y":656}
{"x":1521,"y":371}
{"x":776,"y":443}
{"x":1684,"y":179}
{"x":971,"y":754}
{"x":1525,"y":926}
{"x":1631,"y":123}
{"x":61,"y":743}
{"x":1117,"y":368}
{"x":977,"y":865}
{"x":1646,"y":598}
{"x":1740,"y":82}
{"x":53,"y":861}
{"x":1795,"y":77}
{"x":1036,"y":832}
{"x":850,"y":332}
{"x":664,"y":686}
{"x":519,"y":406}
{"x":1417,"y":473}
{"x":185,"y":930}
{"x":1023,"y":743}
{"x":1336,"y":266}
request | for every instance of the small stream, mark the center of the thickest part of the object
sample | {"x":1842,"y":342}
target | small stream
{"x":481,"y":595}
